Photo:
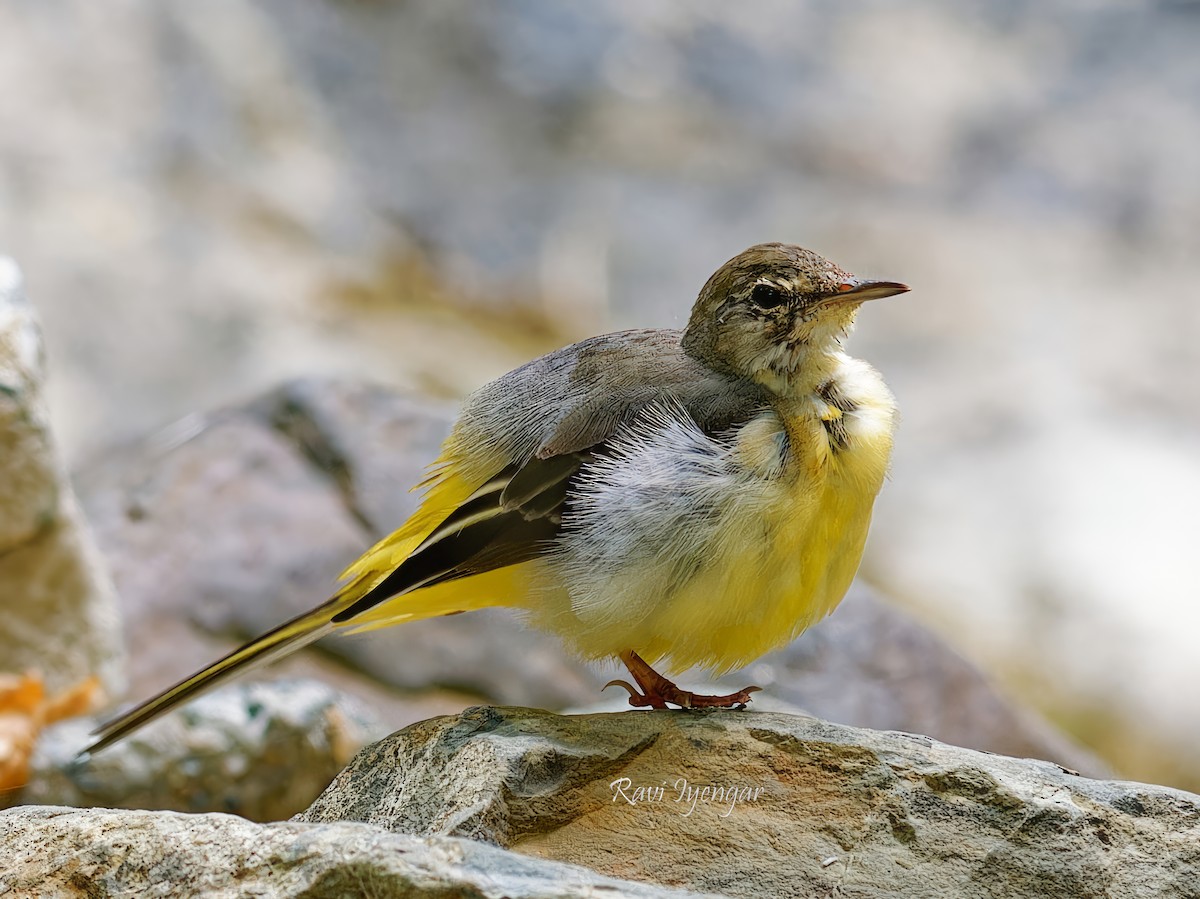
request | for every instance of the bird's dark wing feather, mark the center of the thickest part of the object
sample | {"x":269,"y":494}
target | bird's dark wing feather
{"x":511,"y":521}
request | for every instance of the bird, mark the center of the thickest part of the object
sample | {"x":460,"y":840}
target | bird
{"x":663,"y":497}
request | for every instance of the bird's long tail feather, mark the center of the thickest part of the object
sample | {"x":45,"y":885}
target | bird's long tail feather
{"x":286,"y":638}
{"x":460,"y":533}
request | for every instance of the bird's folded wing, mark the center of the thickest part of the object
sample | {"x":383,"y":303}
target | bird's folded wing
{"x":509,"y":520}
{"x":495,"y":497}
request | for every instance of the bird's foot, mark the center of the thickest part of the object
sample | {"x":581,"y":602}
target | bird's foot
{"x":656,"y":691}
{"x":685,"y":699}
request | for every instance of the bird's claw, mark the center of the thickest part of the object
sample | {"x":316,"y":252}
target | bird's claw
{"x":682,"y":698}
{"x":636,"y":699}
{"x":621,"y":683}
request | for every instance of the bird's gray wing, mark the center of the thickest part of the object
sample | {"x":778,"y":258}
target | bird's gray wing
{"x":543,"y":421}
{"x":577,"y":397}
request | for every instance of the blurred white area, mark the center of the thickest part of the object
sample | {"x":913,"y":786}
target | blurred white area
{"x":208,"y":198}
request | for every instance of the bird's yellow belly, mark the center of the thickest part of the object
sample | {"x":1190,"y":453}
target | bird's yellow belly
{"x":773,"y":575}
{"x":774,"y":555}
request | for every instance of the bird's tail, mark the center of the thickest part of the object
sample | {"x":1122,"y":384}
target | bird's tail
{"x":370,"y":586}
{"x":443,"y":599}
{"x":462,"y":550}
{"x":286,"y":638}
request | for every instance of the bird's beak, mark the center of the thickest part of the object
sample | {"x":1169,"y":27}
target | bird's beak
{"x":859,"y":290}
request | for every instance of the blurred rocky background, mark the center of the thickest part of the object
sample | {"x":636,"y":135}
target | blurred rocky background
{"x":208,"y":199}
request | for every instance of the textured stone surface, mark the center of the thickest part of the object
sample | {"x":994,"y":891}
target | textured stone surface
{"x":219,"y":521}
{"x":375,"y":442}
{"x":765,"y":804}
{"x":259,"y":750}
{"x":56,"y":598}
{"x":66,"y":852}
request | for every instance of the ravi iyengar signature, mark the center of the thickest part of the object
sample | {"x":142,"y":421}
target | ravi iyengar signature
{"x":686,"y":795}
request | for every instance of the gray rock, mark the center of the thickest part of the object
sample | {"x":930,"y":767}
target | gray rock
{"x":259,"y":750}
{"x":374,"y":442}
{"x":219,"y":521}
{"x":60,"y":852}
{"x":51,"y":851}
{"x":56,"y":599}
{"x":764,"y":804}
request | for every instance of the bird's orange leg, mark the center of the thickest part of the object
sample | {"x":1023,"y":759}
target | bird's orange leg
{"x":657,"y":691}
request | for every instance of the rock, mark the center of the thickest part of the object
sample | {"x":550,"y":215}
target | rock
{"x":259,"y":750}
{"x":217,"y":527}
{"x":99,"y":852}
{"x":764,"y":804}
{"x":56,"y":599}
{"x":375,"y":442}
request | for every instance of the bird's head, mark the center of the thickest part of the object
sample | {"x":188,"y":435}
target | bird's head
{"x":774,"y":307}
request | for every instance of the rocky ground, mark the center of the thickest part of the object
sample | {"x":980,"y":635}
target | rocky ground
{"x":522,"y":803}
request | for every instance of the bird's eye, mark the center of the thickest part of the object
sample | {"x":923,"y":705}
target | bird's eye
{"x":768,"y":296}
